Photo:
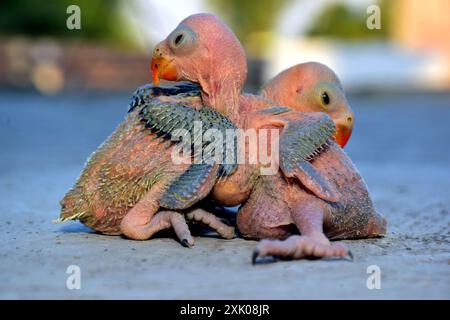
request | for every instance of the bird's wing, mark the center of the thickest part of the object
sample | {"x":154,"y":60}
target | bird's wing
{"x":167,"y":119}
{"x":300,"y":142}
{"x":192,"y":186}
{"x":147,"y":92}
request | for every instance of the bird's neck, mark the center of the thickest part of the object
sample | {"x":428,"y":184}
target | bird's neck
{"x":224,"y":98}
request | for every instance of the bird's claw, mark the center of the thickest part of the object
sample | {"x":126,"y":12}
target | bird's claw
{"x":350,"y":255}
{"x":255,"y":256}
{"x":185,"y":243}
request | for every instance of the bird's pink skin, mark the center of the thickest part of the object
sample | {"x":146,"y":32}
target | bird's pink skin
{"x":214,"y":59}
{"x":302,"y":87}
{"x":119,"y":189}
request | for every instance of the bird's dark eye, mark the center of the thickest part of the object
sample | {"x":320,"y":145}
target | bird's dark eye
{"x":325,"y":98}
{"x":178,"y":39}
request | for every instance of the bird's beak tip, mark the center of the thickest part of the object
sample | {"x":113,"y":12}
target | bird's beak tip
{"x":155,"y":71}
{"x":343,"y":135}
{"x":163,"y":68}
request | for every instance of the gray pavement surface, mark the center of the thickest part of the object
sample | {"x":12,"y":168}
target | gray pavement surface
{"x":401,"y":145}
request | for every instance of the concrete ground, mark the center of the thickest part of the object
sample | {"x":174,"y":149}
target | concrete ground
{"x":401,"y":144}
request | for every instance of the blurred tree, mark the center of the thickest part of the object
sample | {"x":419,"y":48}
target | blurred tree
{"x":340,"y":21}
{"x":101,"y":20}
{"x":247,"y":18}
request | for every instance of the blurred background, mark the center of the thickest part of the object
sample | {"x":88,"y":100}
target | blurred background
{"x":111,"y":50}
{"x":63,"y":91}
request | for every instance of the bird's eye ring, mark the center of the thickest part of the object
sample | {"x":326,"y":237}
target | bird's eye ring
{"x":182,"y":40}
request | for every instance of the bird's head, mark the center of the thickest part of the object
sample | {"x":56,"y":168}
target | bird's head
{"x":313,"y":87}
{"x":204,"y":50}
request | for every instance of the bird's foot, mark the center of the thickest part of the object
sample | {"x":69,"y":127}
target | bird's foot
{"x":298,"y":247}
{"x":210,"y":220}
{"x":172,"y":219}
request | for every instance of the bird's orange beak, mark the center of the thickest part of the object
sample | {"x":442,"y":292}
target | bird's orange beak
{"x":343,"y":134}
{"x":162,"y":68}
{"x":344,"y":121}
